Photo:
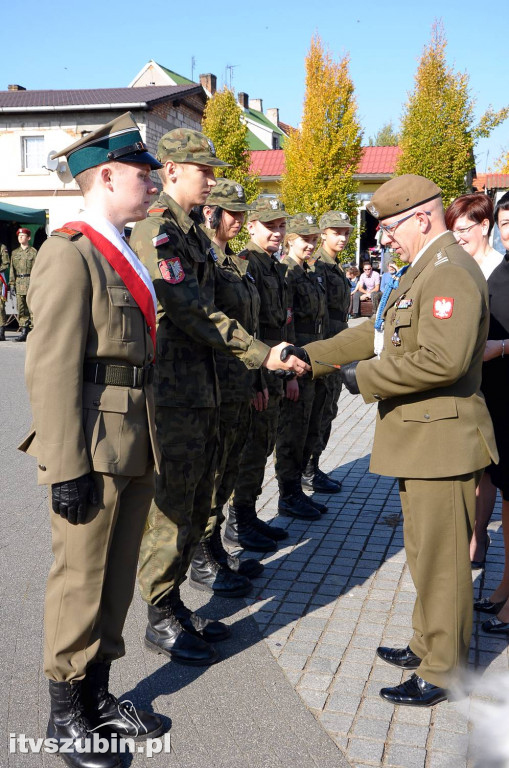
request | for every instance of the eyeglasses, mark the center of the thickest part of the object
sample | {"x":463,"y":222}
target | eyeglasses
{"x":389,"y":229}
{"x":464,"y":230}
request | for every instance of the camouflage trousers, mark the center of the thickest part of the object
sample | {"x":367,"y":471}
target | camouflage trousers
{"x":328,"y":390}
{"x":292,"y":433}
{"x":3,"y":314}
{"x":234,"y":421}
{"x":25,"y":317}
{"x":182,"y":501}
{"x":259,"y":445}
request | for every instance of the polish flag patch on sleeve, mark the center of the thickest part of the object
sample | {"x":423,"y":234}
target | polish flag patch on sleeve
{"x":442,"y":307}
{"x":160,"y":239}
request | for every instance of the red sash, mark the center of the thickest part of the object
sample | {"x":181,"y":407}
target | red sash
{"x":132,"y":281}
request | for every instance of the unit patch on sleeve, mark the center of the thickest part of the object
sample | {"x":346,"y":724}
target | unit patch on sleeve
{"x":442,"y":307}
{"x":171,"y":270}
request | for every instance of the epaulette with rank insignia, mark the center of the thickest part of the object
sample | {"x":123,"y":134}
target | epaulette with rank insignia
{"x":67,"y":232}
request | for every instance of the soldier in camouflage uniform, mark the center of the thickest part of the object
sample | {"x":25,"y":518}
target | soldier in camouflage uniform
{"x":237,"y":296}
{"x":307,"y":299}
{"x":4,"y":267}
{"x":22,"y":262}
{"x":266,"y":223}
{"x":336,"y":229}
{"x":182,"y":264}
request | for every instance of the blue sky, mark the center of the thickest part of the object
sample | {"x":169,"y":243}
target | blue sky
{"x":96,"y":45}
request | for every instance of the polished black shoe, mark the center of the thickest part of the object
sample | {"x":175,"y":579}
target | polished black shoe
{"x":69,"y":727}
{"x":414,"y":692}
{"x":23,"y":335}
{"x":495,"y":627}
{"x":316,"y":504}
{"x":248,"y":567}
{"x":208,"y":575}
{"x":316,"y":480}
{"x":165,"y":634}
{"x":240,"y":530}
{"x":296,"y":504}
{"x":2,"y":331}
{"x":209,"y":630}
{"x":478,"y":565}
{"x":400,"y":657}
{"x":271,"y":531}
{"x":106,"y":712}
{"x":486,"y":606}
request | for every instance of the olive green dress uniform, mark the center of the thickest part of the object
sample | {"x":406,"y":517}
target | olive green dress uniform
{"x":307,"y":299}
{"x":269,"y":278}
{"x":4,"y":266}
{"x":433,"y":432}
{"x":328,"y":390}
{"x":22,"y":263}
{"x":182,"y":265}
{"x":82,"y":427}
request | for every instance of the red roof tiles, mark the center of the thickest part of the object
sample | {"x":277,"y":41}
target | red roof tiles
{"x":271,"y":162}
{"x":491,"y":181}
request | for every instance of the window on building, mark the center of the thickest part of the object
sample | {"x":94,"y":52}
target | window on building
{"x":275,"y":142}
{"x":32,"y":153}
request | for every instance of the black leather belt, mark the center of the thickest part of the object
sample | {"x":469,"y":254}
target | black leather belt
{"x":314,"y":328}
{"x":111,"y":374}
{"x":335,"y":314}
{"x":272,"y":334}
{"x":22,"y":275}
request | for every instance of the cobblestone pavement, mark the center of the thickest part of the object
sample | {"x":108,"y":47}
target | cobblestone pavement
{"x":338,"y":589}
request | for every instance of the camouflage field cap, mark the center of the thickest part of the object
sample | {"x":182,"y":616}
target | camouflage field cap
{"x":228,"y":195}
{"x":400,"y":194}
{"x":267,"y":209}
{"x":118,"y":140}
{"x":302,"y":224}
{"x":335,"y":219}
{"x":183,"y":145}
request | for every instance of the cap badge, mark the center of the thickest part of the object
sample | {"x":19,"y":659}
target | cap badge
{"x":212,"y":147}
{"x":373,"y":210}
{"x":239,"y":190}
{"x":309,"y":219}
{"x":274,"y":204}
{"x":343,"y":216}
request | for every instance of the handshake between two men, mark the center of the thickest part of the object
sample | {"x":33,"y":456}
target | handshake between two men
{"x":287,"y":360}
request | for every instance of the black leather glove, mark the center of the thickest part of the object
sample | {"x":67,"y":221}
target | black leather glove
{"x":349,"y":377}
{"x":285,"y":354}
{"x":70,"y":500}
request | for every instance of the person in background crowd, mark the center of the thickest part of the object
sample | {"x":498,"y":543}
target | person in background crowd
{"x":4,"y":287}
{"x":369,"y":285}
{"x":392,"y":268}
{"x":22,"y":263}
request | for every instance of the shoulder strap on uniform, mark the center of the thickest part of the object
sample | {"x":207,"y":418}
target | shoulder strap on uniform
{"x":156,"y":211}
{"x":67,"y":232}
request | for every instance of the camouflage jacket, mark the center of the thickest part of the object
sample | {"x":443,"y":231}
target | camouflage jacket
{"x":5,"y":261}
{"x":338,"y":293}
{"x":308,"y":300}
{"x":22,"y":262}
{"x":269,"y":277}
{"x":181,"y":262}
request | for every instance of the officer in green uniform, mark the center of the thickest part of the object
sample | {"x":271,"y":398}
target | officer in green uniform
{"x":182,"y":264}
{"x":4,"y":279}
{"x":22,"y":262}
{"x":335,"y":230}
{"x":307,"y":300}
{"x":421,"y":360}
{"x":237,"y":296}
{"x":266,"y":223}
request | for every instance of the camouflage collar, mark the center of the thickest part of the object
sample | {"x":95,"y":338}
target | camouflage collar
{"x":184,"y":221}
{"x":324,"y":257}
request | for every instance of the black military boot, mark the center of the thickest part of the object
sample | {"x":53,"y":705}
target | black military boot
{"x":209,"y":630}
{"x":105,"y":711}
{"x":165,"y":634}
{"x":23,"y":335}
{"x":69,"y":726}
{"x":318,"y":481}
{"x":2,"y":332}
{"x":209,"y":576}
{"x":241,"y":530}
{"x":316,"y":504}
{"x":293,"y":502}
{"x":249,"y":567}
{"x":271,"y":531}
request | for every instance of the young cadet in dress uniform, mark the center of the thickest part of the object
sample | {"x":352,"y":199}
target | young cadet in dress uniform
{"x":335,"y":231}
{"x":236,"y":295}
{"x":181,"y":262}
{"x":266,"y":223}
{"x":308,"y":301}
{"x":4,"y":267}
{"x":89,"y":381}
{"x":433,"y":429}
{"x":22,"y":263}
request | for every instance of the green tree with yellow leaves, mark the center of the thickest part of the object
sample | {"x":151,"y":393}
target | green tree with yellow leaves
{"x":438,"y":131}
{"x":322,"y":155}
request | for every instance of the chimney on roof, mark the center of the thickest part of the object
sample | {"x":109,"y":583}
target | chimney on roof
{"x":15,"y":87}
{"x":256,"y":104}
{"x":209,"y":83}
{"x":273,"y":115}
{"x":243,"y":100}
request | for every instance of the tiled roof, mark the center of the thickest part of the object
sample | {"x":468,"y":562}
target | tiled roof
{"x":90,"y":96}
{"x":491,"y":181}
{"x":378,"y":160}
{"x":382,"y":160}
{"x":286,"y":128}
